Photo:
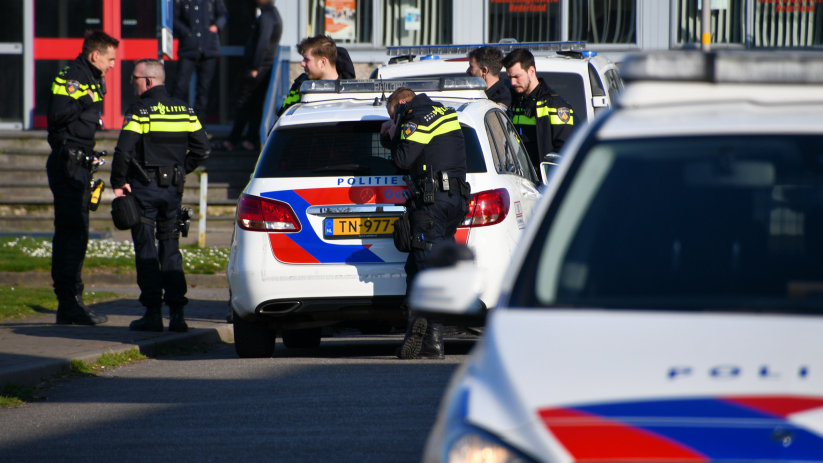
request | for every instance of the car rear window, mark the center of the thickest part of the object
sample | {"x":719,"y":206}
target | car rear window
{"x":731,"y":223}
{"x":343,"y":148}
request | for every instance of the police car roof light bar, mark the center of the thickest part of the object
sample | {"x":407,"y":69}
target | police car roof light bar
{"x":534,"y":47}
{"x":389,"y":85}
{"x":725,"y":66}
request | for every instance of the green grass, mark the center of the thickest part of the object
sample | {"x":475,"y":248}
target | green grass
{"x":27,"y":254}
{"x":17,"y":302}
{"x":12,"y":395}
{"x":108,"y":360}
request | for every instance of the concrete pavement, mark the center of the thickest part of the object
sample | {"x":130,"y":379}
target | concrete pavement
{"x":35,"y":348}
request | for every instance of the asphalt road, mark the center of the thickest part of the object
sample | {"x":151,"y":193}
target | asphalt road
{"x":349,"y":400}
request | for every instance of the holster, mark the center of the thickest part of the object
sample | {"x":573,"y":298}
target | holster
{"x":402,"y":233}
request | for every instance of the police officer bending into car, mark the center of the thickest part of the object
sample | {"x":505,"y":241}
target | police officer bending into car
{"x":543,"y":118}
{"x":426,"y":140}
{"x":162,"y":140}
{"x":75,"y":107}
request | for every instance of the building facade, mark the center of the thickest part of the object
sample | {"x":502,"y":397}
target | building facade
{"x":38,"y":37}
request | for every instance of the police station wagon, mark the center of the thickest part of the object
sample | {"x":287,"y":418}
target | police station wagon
{"x":312,"y":245}
{"x":666,"y":302}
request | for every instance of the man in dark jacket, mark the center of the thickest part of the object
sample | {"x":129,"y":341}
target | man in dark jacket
{"x":162,"y":136}
{"x":74,"y":116}
{"x":259,"y":55}
{"x":318,"y":53}
{"x":426,"y":140}
{"x":543,"y":117}
{"x":486,"y":62}
{"x":197,"y":24}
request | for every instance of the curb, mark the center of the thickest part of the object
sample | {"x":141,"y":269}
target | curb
{"x":34,"y":373}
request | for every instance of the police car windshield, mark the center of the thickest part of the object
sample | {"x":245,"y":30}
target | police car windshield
{"x":343,"y":148}
{"x":727,"y":223}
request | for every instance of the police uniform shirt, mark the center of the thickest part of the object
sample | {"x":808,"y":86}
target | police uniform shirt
{"x":76,"y":104}
{"x":159,"y":131}
{"x":429,"y":134}
{"x":545,"y":120}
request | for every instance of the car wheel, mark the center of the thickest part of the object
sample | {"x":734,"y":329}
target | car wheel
{"x":301,"y":339}
{"x":252,"y":339}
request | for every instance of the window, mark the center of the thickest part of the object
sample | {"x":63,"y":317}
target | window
{"x":603,"y":22}
{"x":719,"y":222}
{"x":524,"y":20}
{"x":416,"y":22}
{"x":342,"y":148}
{"x":774,"y":23}
{"x":346,"y":21}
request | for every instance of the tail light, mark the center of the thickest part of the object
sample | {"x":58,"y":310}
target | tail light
{"x":260,"y":214}
{"x":487,"y":208}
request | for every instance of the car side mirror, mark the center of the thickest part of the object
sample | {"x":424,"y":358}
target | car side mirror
{"x":450,"y":290}
{"x":547,"y":167}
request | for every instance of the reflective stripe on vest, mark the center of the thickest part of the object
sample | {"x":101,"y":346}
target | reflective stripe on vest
{"x":423,"y":134}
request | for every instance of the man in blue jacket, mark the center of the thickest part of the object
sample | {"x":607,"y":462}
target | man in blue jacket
{"x":197,"y":24}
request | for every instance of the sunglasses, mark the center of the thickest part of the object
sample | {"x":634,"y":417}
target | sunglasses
{"x":138,"y":77}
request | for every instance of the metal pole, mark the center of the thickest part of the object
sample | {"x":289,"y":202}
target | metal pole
{"x":201,"y":222}
{"x":706,"y":22}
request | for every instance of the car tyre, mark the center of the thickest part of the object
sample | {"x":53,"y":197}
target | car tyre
{"x":252,"y":340}
{"x":308,"y":338}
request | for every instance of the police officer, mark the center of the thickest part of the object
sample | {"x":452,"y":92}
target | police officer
{"x":543,"y":118}
{"x":426,"y":140}
{"x":162,"y":140}
{"x":486,"y":62}
{"x":197,"y":24}
{"x":75,"y":107}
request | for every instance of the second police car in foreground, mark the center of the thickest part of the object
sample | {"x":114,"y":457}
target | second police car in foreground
{"x":312,"y":245}
{"x":666,"y":301}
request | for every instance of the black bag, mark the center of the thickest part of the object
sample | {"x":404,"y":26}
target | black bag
{"x":402,"y":233}
{"x":125,"y":212}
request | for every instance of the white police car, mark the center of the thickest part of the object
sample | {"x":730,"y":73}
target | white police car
{"x":587,"y":81}
{"x":312,"y":245}
{"x":666,"y":300}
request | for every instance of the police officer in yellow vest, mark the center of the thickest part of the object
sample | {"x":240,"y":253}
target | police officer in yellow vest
{"x":163,"y":138}
{"x":75,"y":107}
{"x":426,"y":140}
{"x":545,"y":120}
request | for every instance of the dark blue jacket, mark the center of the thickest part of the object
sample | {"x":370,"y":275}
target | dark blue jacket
{"x":261,"y":47}
{"x":192,"y":19}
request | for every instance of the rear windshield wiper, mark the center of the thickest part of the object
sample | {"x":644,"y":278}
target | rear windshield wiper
{"x":351,"y":168}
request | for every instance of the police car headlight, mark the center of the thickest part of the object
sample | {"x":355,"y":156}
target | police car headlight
{"x":475,"y":446}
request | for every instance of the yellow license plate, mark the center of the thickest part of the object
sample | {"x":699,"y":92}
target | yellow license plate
{"x":358,"y":227}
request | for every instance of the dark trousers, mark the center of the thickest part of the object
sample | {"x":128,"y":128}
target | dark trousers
{"x":250,"y":101}
{"x":159,"y":263}
{"x":435,"y":223}
{"x":69,"y":183}
{"x":204,"y":68}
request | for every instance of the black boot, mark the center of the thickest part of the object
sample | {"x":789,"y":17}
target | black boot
{"x":432,"y":347}
{"x":176,"y":321}
{"x":73,"y":311}
{"x":151,"y":321}
{"x":413,"y":341}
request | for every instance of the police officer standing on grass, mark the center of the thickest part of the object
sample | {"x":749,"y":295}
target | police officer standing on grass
{"x":486,"y":62}
{"x":426,"y":140}
{"x":543,"y":118}
{"x":74,"y":116}
{"x":163,"y":139}
{"x":197,"y":24}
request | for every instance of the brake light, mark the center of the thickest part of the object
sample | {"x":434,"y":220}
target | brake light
{"x":260,"y":214}
{"x":487,"y":208}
